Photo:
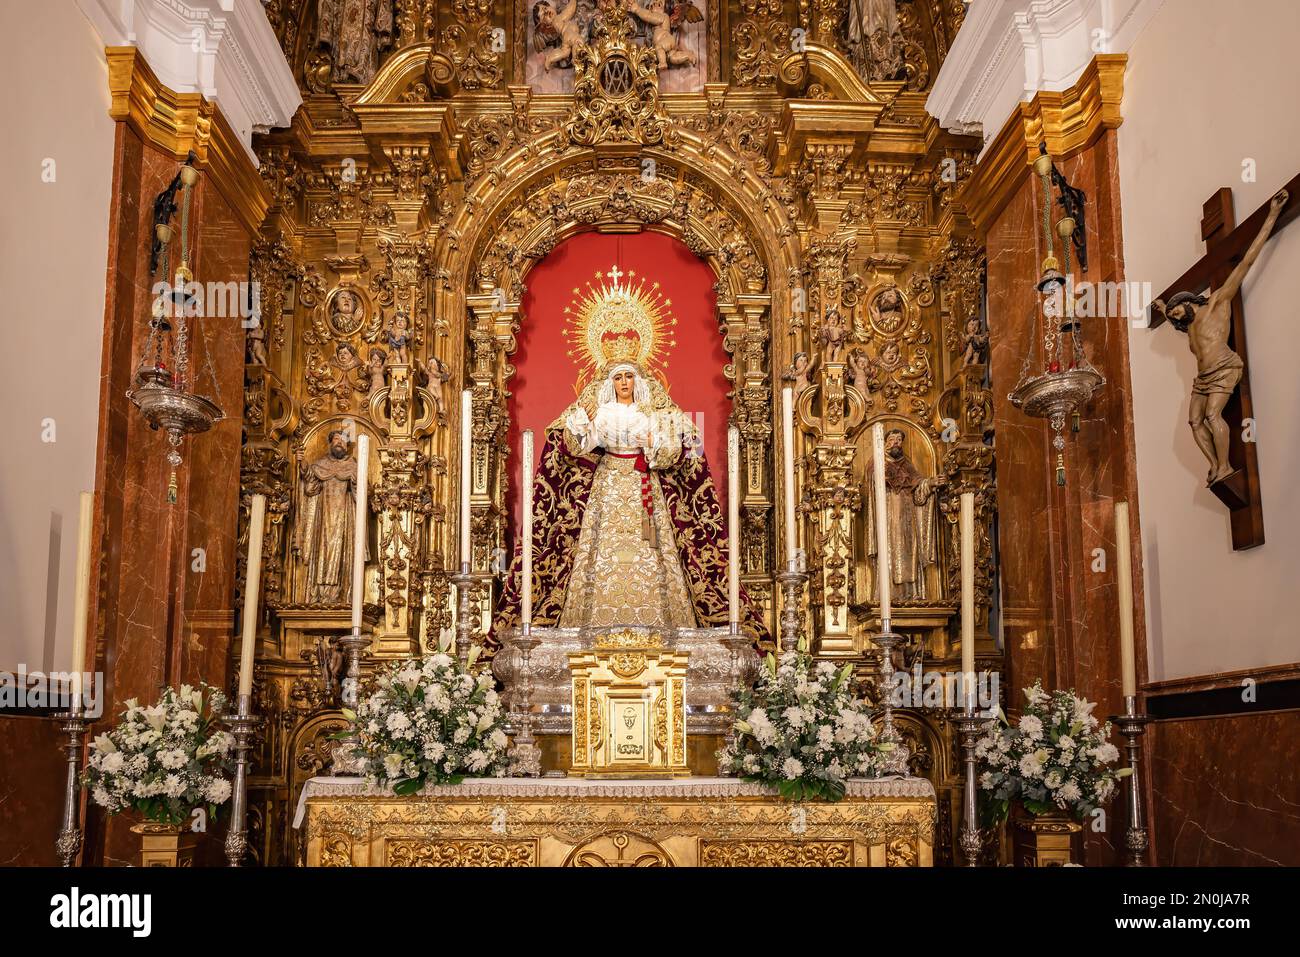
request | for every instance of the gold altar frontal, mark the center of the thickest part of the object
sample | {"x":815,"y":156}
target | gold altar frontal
{"x":698,"y":822}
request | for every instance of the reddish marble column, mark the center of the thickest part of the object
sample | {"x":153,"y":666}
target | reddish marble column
{"x":1061,"y":603}
{"x":164,"y":610}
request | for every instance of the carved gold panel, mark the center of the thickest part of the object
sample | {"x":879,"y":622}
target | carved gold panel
{"x":700,"y":822}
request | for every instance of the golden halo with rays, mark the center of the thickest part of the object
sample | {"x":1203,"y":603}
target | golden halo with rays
{"x":618,"y":318}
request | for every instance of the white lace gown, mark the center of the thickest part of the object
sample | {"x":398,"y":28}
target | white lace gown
{"x":619,"y":576}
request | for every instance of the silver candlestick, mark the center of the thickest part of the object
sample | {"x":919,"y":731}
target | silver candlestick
{"x":74,"y":727}
{"x":970,"y":838}
{"x":353,"y":646}
{"x":465,"y":582}
{"x":791,"y":580}
{"x":525,"y":755}
{"x":738,"y":644}
{"x":1133,"y":725}
{"x":242,"y":723}
{"x":886,"y":640}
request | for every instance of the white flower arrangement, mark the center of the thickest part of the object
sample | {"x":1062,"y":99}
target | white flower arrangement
{"x":429,"y":720}
{"x":802,"y":731}
{"x":1056,"y":756}
{"x":164,"y":760}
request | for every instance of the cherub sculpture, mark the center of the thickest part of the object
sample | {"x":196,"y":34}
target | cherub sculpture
{"x":375,"y":367}
{"x":666,"y":23}
{"x":860,"y":371}
{"x":975,"y":343}
{"x":800,"y":372}
{"x":559,"y":30}
{"x":433,"y":374}
{"x":833,"y":336}
{"x":399,"y":338}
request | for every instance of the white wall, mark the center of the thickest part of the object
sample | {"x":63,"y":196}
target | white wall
{"x":53,"y":256}
{"x":1209,"y":85}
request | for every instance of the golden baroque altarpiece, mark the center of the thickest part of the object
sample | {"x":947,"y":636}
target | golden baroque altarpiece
{"x":421,"y":181}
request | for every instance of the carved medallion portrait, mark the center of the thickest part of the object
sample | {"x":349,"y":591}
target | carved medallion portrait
{"x":888,"y":311}
{"x":346,"y":311}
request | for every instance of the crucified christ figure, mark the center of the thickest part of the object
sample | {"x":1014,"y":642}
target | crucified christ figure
{"x":1207,"y":322}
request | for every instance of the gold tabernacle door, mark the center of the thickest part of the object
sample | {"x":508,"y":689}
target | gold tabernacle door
{"x":629,"y":711}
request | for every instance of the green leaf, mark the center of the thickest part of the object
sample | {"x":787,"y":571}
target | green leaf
{"x":843,"y":675}
{"x":349,"y":714}
{"x":408,"y":786}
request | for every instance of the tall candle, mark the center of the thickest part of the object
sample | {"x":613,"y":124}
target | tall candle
{"x":359,"y":529}
{"x":787,"y":436}
{"x":526,"y":481}
{"x":882,"y":524}
{"x":466,"y":451}
{"x":252,"y":585}
{"x":968,"y":596}
{"x":1124,"y":575}
{"x":733,"y":524}
{"x":81,"y":602}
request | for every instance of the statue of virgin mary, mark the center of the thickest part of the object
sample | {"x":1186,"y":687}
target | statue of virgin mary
{"x":627,"y":529}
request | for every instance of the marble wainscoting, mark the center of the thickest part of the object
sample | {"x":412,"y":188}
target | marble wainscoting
{"x":1225,"y":772}
{"x":32,"y":774}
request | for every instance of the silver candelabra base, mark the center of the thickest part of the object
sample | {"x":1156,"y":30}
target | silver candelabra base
{"x":896,"y":758}
{"x":242,"y":724}
{"x":1132,"y":726}
{"x":68,"y":843}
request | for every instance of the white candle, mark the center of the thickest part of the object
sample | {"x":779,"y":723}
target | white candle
{"x":787,"y":435}
{"x":81,"y":602}
{"x":882,"y":524}
{"x":968,"y":596}
{"x":252,"y":585}
{"x":733,"y":524}
{"x":526,"y":614}
{"x":466,"y":446}
{"x":359,"y":530}
{"x":1124,"y":576}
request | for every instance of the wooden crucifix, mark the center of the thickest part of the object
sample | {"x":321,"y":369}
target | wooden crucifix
{"x":1221,"y":406}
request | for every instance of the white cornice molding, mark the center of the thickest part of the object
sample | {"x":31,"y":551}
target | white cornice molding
{"x":1008,"y":50}
{"x":223,"y":49}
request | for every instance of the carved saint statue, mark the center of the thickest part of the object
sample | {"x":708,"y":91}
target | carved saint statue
{"x":912,"y":521}
{"x":873,"y":39}
{"x":327,"y":514}
{"x":356,"y":33}
{"x":626,"y":570}
{"x":627,"y":529}
{"x":1207,"y":322}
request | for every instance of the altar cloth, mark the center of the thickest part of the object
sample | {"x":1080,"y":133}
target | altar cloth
{"x":578,"y":821}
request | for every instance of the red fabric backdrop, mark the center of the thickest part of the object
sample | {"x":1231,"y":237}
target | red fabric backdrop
{"x":545,"y":376}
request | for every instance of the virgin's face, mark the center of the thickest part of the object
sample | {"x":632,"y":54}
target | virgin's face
{"x":624,"y":386}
